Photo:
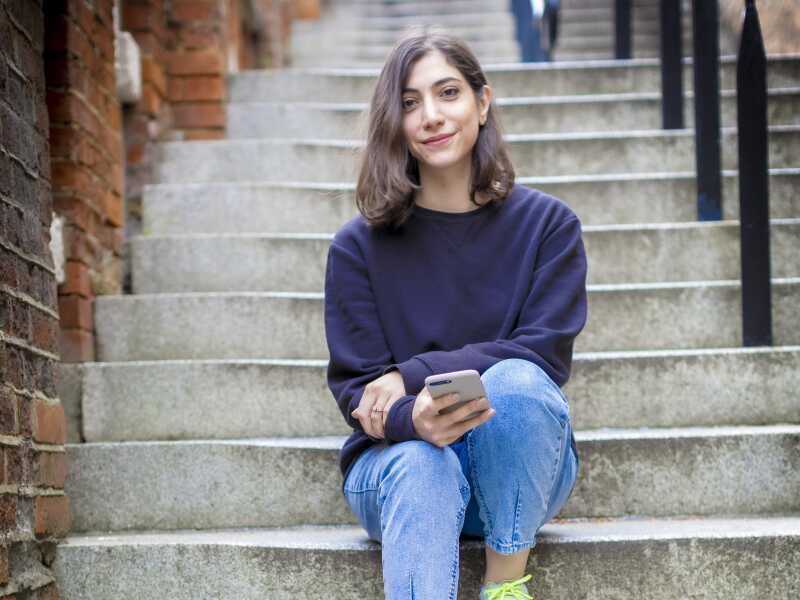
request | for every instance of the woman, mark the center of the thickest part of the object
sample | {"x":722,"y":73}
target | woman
{"x":450,"y":266}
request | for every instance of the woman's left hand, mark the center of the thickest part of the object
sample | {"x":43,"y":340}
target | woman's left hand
{"x":379,"y":394}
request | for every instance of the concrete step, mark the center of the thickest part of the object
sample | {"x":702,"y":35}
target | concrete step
{"x":603,"y":112}
{"x":542,"y":154}
{"x":250,"y":262}
{"x":220,"y":324}
{"x":524,"y":79}
{"x":276,"y":207}
{"x":313,"y":45}
{"x":749,"y":558}
{"x":190,"y":399}
{"x":253,"y":482}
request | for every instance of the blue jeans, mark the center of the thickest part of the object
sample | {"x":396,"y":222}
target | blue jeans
{"x":501,"y":482}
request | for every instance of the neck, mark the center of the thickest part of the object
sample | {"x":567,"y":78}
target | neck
{"x":446,"y":190}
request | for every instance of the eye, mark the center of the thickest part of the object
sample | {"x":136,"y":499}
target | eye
{"x":452,"y":89}
{"x":404,"y":103}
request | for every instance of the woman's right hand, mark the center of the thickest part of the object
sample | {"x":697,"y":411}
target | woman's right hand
{"x":442,"y":430}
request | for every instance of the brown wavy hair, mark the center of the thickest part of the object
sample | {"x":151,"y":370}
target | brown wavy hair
{"x":388,"y":174}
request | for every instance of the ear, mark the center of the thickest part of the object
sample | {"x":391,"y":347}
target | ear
{"x":485,"y":101}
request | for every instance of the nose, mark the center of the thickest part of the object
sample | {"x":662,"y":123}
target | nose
{"x":430,"y":113}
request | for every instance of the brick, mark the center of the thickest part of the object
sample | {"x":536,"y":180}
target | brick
{"x":187,"y":11}
{"x":50,"y":469}
{"x":114,"y":209}
{"x":8,"y":413}
{"x":199,"y":38}
{"x":182,"y":89}
{"x":51,"y":516}
{"x":153,"y":73}
{"x":44,"y":331}
{"x":76,"y":346}
{"x":25,"y":418}
{"x":196,"y":114}
{"x":28,"y":16}
{"x":197,"y":62}
{"x":75,"y":312}
{"x":76,"y":279}
{"x":4,"y":568}
{"x":150,"y":101}
{"x":18,"y":464}
{"x":8,"y":513}
{"x":69,"y":176}
{"x":48,"y":426}
{"x":204,"y":134}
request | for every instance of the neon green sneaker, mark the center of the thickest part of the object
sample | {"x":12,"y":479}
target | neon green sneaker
{"x":516,"y":590}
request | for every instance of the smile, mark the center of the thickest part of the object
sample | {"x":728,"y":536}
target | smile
{"x":440,"y":142}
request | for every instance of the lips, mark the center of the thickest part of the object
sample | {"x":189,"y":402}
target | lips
{"x":438,"y":138}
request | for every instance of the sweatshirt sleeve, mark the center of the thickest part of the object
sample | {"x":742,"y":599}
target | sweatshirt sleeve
{"x":357,"y":346}
{"x":553,"y":314}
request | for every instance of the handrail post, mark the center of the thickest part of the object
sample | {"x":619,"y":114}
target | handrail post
{"x":671,"y":65}
{"x":751,"y":107}
{"x":622,"y":28}
{"x":705,"y":17}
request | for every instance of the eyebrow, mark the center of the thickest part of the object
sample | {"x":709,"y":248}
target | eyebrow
{"x":435,"y":84}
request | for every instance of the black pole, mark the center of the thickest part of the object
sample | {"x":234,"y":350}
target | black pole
{"x":671,"y":66}
{"x":622,"y":25}
{"x":705,"y":16}
{"x":751,"y":107}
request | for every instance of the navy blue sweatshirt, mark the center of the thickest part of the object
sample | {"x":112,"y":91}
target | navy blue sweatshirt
{"x":451,"y":291}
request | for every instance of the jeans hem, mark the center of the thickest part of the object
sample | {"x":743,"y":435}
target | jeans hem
{"x":503,"y":548}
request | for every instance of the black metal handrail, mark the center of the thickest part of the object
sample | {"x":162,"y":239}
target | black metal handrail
{"x":622,"y":28}
{"x":751,"y":103}
{"x":751,"y":114}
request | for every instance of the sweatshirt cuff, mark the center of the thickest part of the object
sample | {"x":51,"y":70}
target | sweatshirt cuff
{"x":399,"y":425}
{"x":414,"y":371}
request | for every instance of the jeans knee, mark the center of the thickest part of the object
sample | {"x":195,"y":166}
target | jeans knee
{"x":519,"y":389}
{"x":421,"y":468}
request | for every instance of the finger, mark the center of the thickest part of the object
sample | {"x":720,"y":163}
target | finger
{"x":377,"y":417}
{"x":476,"y":404}
{"x":442,"y":402}
{"x":462,"y":427}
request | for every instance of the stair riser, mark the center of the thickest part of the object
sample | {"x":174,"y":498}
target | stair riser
{"x":263,"y":120}
{"x":273,"y":209}
{"x":527,"y":80}
{"x":167,"y":326}
{"x":324,"y":47}
{"x":137,"y":401}
{"x":653,"y":152}
{"x":225,"y":264}
{"x":250,"y":485}
{"x":754,"y":568}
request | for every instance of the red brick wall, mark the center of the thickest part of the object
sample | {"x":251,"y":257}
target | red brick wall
{"x":34,"y":511}
{"x":86,"y":154}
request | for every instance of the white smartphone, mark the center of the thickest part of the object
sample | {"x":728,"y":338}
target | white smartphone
{"x":467,"y":383}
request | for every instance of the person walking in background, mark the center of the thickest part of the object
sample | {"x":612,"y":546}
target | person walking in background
{"x":451,"y":265}
{"x":536,"y":28}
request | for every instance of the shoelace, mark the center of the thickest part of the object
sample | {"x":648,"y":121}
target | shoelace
{"x":509,"y":589}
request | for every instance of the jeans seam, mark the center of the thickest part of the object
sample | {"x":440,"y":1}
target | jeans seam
{"x":455,"y":566}
{"x":489,"y":525}
{"x":559,"y":460}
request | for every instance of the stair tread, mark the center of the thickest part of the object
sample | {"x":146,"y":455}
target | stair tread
{"x":558,"y":531}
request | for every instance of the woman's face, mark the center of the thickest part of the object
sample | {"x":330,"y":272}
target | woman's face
{"x":438,"y":101}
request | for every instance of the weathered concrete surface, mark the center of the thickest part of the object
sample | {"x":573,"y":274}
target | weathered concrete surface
{"x":251,"y":262}
{"x":254,"y":482}
{"x":290,"y":325}
{"x":600,"y":112}
{"x":523,"y":79}
{"x":716,"y":559}
{"x":275,"y":207}
{"x":186,"y":399}
{"x":542,"y":154}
